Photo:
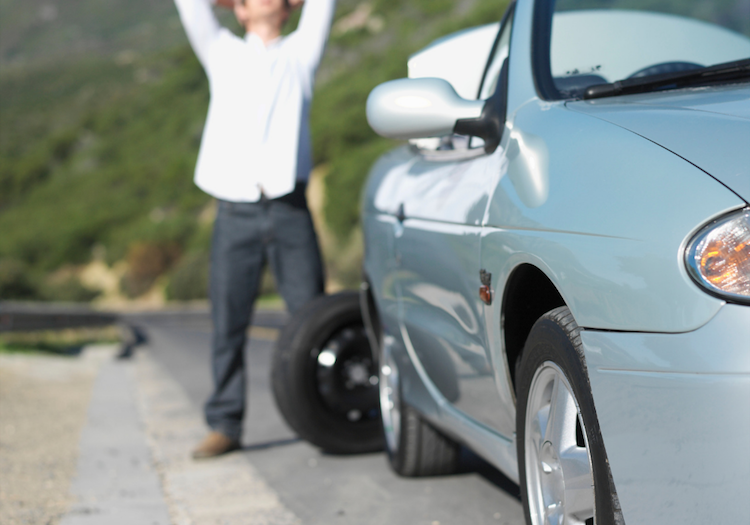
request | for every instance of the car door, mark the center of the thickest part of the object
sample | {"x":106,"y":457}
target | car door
{"x":442,"y":207}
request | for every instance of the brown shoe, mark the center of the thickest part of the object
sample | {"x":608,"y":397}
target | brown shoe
{"x":215,"y":444}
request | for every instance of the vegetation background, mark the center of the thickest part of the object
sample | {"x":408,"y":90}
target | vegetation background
{"x":102,"y":106}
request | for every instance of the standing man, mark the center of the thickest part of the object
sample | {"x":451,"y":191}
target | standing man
{"x":255,"y":158}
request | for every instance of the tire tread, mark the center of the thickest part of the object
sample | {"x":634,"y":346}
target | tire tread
{"x":424,"y":451}
{"x":290,"y":384}
{"x":563,"y":319}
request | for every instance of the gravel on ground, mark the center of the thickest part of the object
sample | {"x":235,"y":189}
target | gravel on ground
{"x":62,"y":463}
{"x":43,"y":405}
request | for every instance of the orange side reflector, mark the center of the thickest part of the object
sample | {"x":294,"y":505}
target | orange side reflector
{"x":485,"y":294}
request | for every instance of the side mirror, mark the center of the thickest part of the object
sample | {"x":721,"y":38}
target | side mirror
{"x":412,"y":108}
{"x":415,"y":108}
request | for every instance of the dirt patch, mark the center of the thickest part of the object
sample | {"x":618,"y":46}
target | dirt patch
{"x":43,"y":404}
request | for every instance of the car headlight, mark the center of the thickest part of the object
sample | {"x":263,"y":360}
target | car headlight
{"x":718,"y":258}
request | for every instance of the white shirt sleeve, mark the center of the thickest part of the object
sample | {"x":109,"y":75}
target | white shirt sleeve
{"x":313,"y":29}
{"x":200,"y":24}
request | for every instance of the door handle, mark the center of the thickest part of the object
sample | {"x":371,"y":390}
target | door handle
{"x":400,"y":214}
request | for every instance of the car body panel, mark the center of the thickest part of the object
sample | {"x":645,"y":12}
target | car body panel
{"x":709,"y":127}
{"x":443,"y":205}
{"x":441,"y":318}
{"x":522,"y":88}
{"x":450,"y":316}
{"x":674,"y":414}
{"x":572,"y":215}
{"x":380,"y":228}
{"x":416,"y":388}
{"x":420,"y":392}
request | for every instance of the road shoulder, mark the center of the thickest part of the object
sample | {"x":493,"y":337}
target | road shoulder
{"x":116,"y":482}
{"x":43,"y":409}
{"x":225,"y":490}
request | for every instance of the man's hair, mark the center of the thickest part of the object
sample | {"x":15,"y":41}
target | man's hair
{"x":286,"y":3}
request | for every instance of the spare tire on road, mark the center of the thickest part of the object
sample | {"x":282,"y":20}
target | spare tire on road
{"x":325,"y":378}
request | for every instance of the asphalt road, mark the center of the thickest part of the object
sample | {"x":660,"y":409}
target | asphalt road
{"x":320,"y":488}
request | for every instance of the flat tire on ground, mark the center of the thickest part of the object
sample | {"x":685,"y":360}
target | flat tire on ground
{"x":324,"y":377}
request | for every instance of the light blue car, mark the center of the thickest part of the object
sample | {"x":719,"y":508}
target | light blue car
{"x":558,"y":264}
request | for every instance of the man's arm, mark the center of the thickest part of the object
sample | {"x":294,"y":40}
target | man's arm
{"x":313,"y":29}
{"x":200,"y":24}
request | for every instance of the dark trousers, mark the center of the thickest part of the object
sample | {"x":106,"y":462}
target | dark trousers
{"x":247,"y":236}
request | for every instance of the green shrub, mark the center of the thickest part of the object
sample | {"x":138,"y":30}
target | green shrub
{"x":344,"y":185}
{"x":189,"y":280}
{"x":146,"y":262}
{"x":69,"y":289}
{"x":15,"y":282}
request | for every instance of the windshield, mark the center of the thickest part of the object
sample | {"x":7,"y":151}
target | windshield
{"x":601,"y":41}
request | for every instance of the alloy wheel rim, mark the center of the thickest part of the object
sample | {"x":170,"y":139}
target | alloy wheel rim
{"x":559,"y":475}
{"x":390,"y":401}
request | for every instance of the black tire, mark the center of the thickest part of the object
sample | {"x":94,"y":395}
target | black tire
{"x":415,"y":448}
{"x":555,"y":338}
{"x":330,"y":401}
{"x":423,"y":450}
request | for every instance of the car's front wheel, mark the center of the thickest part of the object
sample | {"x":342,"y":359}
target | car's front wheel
{"x":563,"y":465}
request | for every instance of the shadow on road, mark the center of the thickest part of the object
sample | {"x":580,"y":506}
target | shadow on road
{"x":270,"y":444}
{"x":471,"y":463}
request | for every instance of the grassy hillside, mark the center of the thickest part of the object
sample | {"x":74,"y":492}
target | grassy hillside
{"x":97,"y":156}
{"x":97,"y":147}
{"x":44,"y":31}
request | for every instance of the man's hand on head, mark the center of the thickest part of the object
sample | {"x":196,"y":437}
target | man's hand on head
{"x":228,"y":4}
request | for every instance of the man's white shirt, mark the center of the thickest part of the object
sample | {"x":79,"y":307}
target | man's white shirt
{"x":256,"y":138}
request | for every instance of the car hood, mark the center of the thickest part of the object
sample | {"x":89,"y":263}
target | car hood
{"x":708,"y":127}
